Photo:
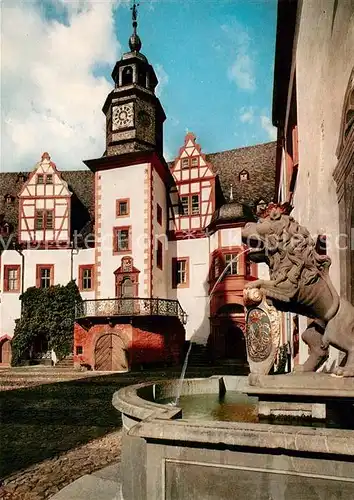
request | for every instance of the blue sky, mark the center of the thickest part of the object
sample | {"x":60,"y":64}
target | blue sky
{"x":214,"y":60}
{"x":197,"y":43}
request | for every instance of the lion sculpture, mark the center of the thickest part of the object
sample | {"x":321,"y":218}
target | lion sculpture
{"x":299,"y":283}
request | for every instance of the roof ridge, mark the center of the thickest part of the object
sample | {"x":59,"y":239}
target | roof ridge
{"x":243,"y":147}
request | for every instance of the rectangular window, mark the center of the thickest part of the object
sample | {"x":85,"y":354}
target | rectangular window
{"x":248,"y":266}
{"x":159,"y":258}
{"x":49,"y":219}
{"x":194,"y":161}
{"x":185,"y":162}
{"x":12,"y":278}
{"x":159,"y":214}
{"x":217,"y":269}
{"x":122,"y":208}
{"x":44,"y":219}
{"x":231,"y":263}
{"x":49,"y":179}
{"x":39,"y":219}
{"x":121,"y":239}
{"x":185,"y":204}
{"x":79,"y":350}
{"x":180,"y":272}
{"x":86,"y":276}
{"x":45,"y":275}
{"x":40,"y":179}
{"x":195,"y":204}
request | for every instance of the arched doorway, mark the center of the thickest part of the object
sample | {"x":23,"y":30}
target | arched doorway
{"x":227,"y":335}
{"x":5,"y":351}
{"x":110,"y":353}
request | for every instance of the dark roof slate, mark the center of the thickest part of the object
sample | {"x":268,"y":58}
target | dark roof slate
{"x":258,"y":161}
{"x":80,"y":182}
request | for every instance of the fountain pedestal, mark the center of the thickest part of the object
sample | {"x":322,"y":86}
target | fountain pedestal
{"x":308,"y":395}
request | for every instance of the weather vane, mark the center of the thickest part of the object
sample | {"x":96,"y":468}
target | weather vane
{"x":134,"y":10}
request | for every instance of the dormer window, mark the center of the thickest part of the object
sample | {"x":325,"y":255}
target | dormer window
{"x":9,"y":199}
{"x":244,"y":176}
{"x":127,"y":76}
{"x":40,"y":179}
{"x":261,"y":205}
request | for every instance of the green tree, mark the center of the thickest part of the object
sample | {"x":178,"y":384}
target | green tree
{"x":47,"y":316}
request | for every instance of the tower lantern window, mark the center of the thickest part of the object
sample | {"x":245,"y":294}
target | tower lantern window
{"x":127,"y":76}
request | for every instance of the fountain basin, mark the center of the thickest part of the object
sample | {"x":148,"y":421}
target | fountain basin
{"x":165,"y":456}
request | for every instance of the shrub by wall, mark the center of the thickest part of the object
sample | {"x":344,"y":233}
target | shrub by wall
{"x":47,"y":317}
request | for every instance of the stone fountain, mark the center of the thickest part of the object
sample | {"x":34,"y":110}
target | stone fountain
{"x":168,"y":455}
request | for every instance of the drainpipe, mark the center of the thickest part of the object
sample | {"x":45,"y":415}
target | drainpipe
{"x":19,"y":251}
{"x":72,"y":249}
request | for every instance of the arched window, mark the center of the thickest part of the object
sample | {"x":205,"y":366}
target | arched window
{"x":244,"y":176}
{"x":127,"y":76}
{"x":127,"y":288}
{"x":142,"y":77}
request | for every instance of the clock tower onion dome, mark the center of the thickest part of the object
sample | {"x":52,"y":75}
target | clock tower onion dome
{"x":134,"y":115}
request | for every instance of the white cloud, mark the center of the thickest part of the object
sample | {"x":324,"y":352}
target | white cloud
{"x":242,"y":70}
{"x":268,"y":127}
{"x":51,"y":98}
{"x":162,"y":77}
{"x":247,"y":115}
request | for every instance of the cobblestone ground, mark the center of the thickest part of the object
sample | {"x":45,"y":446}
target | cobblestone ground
{"x":41,"y":481}
{"x":57,"y":425}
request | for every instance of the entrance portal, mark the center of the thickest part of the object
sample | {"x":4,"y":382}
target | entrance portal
{"x":5,"y":352}
{"x":110,"y":354}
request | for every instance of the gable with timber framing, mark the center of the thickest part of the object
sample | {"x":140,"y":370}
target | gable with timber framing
{"x":192,"y":201}
{"x":44,"y":206}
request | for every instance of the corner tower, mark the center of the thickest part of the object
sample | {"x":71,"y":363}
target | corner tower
{"x":134,"y":115}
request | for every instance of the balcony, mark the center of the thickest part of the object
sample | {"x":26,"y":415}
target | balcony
{"x":129,"y":307}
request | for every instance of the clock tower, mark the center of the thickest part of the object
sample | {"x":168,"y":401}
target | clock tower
{"x":134,"y":115}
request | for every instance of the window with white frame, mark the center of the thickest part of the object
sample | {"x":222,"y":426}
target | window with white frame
{"x":231,"y":263}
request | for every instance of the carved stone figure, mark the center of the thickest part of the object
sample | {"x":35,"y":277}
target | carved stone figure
{"x":299,"y":283}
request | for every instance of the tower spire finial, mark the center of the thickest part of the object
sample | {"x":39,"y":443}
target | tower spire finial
{"x":134,"y":40}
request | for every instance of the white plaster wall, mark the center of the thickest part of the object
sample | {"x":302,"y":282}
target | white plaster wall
{"x":214,"y":241}
{"x":160,"y":278}
{"x":231,"y":237}
{"x":10,"y":307}
{"x":84,"y":256}
{"x":194,"y":299}
{"x":324,"y":60}
{"x":124,"y":182}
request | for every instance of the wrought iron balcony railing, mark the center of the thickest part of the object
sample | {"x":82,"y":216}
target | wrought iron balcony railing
{"x":130,"y":307}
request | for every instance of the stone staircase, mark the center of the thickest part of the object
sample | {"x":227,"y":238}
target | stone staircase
{"x":199,"y":356}
{"x":67,"y":362}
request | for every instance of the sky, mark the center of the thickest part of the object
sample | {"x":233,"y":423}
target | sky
{"x":214,"y":60}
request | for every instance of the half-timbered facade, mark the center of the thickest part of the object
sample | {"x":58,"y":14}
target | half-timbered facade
{"x":147,"y":242}
{"x":44,"y":206}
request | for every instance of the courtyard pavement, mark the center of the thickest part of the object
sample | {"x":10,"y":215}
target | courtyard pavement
{"x":59,"y":425}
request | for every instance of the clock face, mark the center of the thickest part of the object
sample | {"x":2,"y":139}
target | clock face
{"x":144,"y":119}
{"x":123,"y":116}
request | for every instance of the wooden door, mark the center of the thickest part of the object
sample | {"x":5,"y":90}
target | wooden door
{"x":110,"y":354}
{"x":5,"y":352}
